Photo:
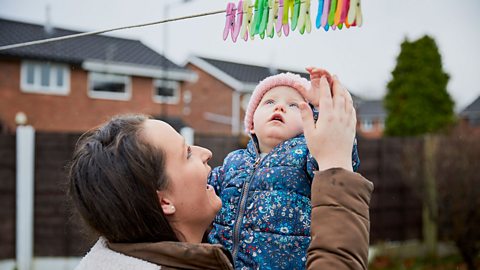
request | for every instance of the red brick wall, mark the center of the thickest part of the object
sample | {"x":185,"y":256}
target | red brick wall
{"x":208,"y":95}
{"x":75,"y":112}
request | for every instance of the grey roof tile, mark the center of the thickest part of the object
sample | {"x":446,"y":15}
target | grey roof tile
{"x":77,"y":50}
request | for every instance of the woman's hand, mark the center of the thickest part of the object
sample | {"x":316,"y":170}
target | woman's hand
{"x":330,"y":139}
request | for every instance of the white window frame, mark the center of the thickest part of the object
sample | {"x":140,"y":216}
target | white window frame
{"x":162,"y":99}
{"x":367,"y":124}
{"x":36,"y":87}
{"x":125,"y":96}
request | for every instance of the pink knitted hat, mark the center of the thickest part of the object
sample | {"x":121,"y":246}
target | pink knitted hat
{"x":282,"y":79}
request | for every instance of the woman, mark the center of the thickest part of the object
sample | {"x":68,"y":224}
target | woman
{"x":144,"y":191}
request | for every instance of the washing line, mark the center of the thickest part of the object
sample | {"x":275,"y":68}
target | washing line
{"x":48,"y":40}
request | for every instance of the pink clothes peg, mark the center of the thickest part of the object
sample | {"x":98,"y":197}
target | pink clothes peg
{"x":230,"y":21}
{"x":238,"y":22}
{"x":345,"y":8}
{"x":278,"y":25}
{"x":326,"y":10}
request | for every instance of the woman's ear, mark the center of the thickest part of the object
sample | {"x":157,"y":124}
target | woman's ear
{"x":166,"y":204}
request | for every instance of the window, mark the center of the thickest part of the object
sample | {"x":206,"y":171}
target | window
{"x":45,"y":78}
{"x":367,"y":124}
{"x":109,"y":86}
{"x":166,"y":91}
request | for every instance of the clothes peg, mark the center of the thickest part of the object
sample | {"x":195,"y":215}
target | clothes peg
{"x":331,"y":14}
{"x":287,"y":9}
{"x":359,"y":16}
{"x":247,"y":14}
{"x":352,"y":12}
{"x":263,"y":23}
{"x":326,"y":10}
{"x":304,"y":21}
{"x":230,"y":20}
{"x":279,"y":23}
{"x":295,"y":14}
{"x":343,"y":14}
{"x":318,"y":21}
{"x":255,"y":19}
{"x":338,"y":12}
{"x":238,"y":22}
{"x":272,"y":17}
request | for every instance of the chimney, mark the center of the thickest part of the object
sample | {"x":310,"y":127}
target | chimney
{"x":48,"y":23}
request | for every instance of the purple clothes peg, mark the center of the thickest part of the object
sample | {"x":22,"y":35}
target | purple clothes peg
{"x":238,"y":22}
{"x":230,"y":20}
{"x":326,"y":10}
{"x":278,"y":25}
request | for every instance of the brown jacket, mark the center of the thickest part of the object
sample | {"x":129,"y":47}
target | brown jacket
{"x":340,"y":231}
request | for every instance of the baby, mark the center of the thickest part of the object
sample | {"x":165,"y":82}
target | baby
{"x":265,"y":188}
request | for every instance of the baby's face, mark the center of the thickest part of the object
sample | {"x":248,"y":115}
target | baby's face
{"x":277,"y":117}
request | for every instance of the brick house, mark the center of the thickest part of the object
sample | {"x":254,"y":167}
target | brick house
{"x":470,"y":116}
{"x":73,"y":85}
{"x":370,"y":118}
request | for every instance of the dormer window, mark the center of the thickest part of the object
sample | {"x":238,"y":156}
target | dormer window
{"x":45,"y":77}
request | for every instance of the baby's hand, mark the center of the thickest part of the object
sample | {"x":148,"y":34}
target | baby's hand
{"x":313,"y":93}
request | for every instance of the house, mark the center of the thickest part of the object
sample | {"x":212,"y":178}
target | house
{"x":219,"y":97}
{"x":75,"y":84}
{"x":371,"y":116}
{"x":471,"y":114}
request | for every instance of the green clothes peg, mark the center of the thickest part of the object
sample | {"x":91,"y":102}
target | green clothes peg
{"x":331,"y":14}
{"x":295,"y":14}
{"x":263,"y":22}
{"x":255,"y":20}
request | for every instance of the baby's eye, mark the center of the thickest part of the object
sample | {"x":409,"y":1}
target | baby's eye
{"x":269,"y":101}
{"x":294,"y":105}
{"x":189,"y":152}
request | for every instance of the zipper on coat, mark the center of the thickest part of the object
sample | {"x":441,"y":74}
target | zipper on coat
{"x":243,"y":201}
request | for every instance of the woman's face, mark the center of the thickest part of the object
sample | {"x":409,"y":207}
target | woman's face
{"x":195,"y":203}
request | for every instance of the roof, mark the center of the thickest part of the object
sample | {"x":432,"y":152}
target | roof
{"x":473,"y":108}
{"x":247,"y":73}
{"x":371,"y":108}
{"x":77,"y":50}
{"x":241,"y":77}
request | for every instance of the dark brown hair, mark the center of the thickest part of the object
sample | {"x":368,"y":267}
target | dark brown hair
{"x":114,"y":176}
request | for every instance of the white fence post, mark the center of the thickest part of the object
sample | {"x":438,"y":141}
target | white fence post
{"x":25,"y":186}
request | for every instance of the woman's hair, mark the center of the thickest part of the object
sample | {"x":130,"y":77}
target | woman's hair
{"x":114,"y":176}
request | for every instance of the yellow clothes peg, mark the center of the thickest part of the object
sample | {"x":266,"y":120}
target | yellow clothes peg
{"x":287,"y":10}
{"x":247,"y":19}
{"x":352,"y":12}
{"x":304,"y":21}
{"x":272,"y":17}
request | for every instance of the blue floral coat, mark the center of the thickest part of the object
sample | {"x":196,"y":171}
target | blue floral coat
{"x":265,"y":217}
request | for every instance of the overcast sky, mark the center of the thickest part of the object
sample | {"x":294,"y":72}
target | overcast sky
{"x":363,"y":58}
